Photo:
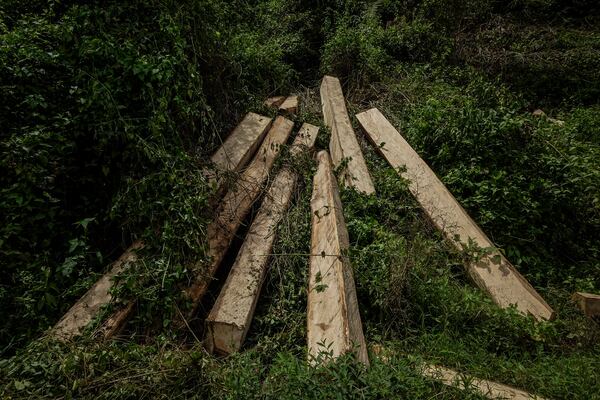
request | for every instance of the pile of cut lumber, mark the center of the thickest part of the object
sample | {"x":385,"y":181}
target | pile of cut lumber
{"x":334,"y":324}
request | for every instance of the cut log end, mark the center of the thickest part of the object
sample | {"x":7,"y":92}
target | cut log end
{"x":274,"y":102}
{"x":289,"y":105}
{"x":588,"y":303}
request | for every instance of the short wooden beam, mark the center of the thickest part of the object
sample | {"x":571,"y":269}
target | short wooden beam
{"x":344,"y":145}
{"x":237,"y":203}
{"x":489,"y":389}
{"x":274,"y":102}
{"x":230,"y":318}
{"x":492,"y":272}
{"x":333,"y":323}
{"x":588,"y":303}
{"x":289,"y":105}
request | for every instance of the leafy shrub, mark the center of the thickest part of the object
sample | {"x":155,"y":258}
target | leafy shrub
{"x":105,"y":109}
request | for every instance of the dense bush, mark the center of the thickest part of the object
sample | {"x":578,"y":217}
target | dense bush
{"x":109,"y":111}
{"x":103,"y":110}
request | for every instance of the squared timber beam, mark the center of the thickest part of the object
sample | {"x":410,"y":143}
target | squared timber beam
{"x":289,"y":105}
{"x":333,"y":322}
{"x":344,"y":144}
{"x":492,"y":272}
{"x":231,"y":316}
{"x":588,"y":303}
{"x":237,"y":203}
{"x":232,"y":156}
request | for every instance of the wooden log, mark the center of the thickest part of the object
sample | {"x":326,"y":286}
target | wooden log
{"x":588,"y":303}
{"x":233,"y":155}
{"x":90,"y":304}
{"x":237,"y":203}
{"x":241,"y":144}
{"x":229,"y":320}
{"x":449,"y":377}
{"x":492,"y":272}
{"x":274,"y":102}
{"x":344,"y":144}
{"x":333,"y":323}
{"x":489,"y":389}
{"x":290,"y":105}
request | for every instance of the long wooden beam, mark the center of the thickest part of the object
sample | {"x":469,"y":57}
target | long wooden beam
{"x":237,"y":203}
{"x":90,"y":304}
{"x":233,"y":155}
{"x":492,"y":272}
{"x":489,"y":389}
{"x":450,"y":377}
{"x":333,"y":323}
{"x":344,"y":145}
{"x":229,"y":320}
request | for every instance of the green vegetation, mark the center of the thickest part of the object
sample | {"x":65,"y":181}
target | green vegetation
{"x":109,"y":111}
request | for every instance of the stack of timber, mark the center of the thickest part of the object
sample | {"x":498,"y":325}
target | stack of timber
{"x":344,"y":144}
{"x":230,"y":318}
{"x":232,"y":156}
{"x":588,"y":303}
{"x":237,"y":203}
{"x":493,"y":272}
{"x":333,"y":321}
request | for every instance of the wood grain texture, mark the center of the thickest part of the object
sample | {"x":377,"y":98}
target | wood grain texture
{"x":229,"y":320}
{"x":90,"y":304}
{"x":241,"y":144}
{"x":233,"y":155}
{"x":489,"y":389}
{"x":274,"y":102}
{"x":333,"y":323}
{"x":344,"y":144}
{"x":289,"y":105}
{"x":230,"y":317}
{"x":588,"y":303}
{"x":237,"y":203}
{"x":492,"y":272}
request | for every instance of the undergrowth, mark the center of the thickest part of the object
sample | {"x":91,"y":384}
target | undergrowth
{"x":110,"y":111}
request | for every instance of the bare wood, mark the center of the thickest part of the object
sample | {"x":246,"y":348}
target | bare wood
{"x":230,"y":318}
{"x":333,"y":322}
{"x":241,"y":144}
{"x":489,"y":389}
{"x":344,"y":144}
{"x":237,"y":203}
{"x":90,"y":304}
{"x":588,"y":303}
{"x":232,"y":156}
{"x":305,"y":139}
{"x":493,"y":272}
{"x":274,"y":102}
{"x":290,"y":105}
